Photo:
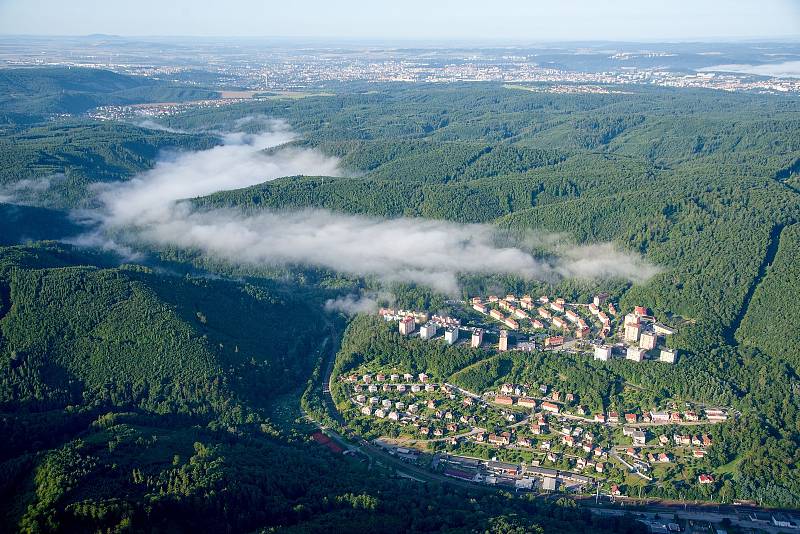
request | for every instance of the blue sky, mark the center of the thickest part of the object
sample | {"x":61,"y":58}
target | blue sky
{"x":411,"y":19}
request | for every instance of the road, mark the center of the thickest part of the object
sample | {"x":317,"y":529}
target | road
{"x":702,"y":515}
{"x":630,"y":467}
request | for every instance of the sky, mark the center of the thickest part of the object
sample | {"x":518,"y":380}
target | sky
{"x":518,"y":20}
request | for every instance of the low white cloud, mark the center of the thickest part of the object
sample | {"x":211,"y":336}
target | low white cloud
{"x":604,"y":260}
{"x":238,"y":163}
{"x":353,"y":304}
{"x":106,"y":243}
{"x":149,"y":209}
{"x":28,"y":190}
{"x":396,"y":250}
{"x":786,"y":69}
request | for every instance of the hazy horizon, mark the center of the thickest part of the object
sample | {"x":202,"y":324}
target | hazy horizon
{"x":414,"y":21}
{"x":416,"y":42}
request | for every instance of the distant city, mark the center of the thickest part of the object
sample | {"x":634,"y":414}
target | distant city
{"x":261,"y":65}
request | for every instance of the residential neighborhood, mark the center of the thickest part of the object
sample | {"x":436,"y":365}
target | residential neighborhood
{"x":526,"y":324}
{"x":545,"y":429}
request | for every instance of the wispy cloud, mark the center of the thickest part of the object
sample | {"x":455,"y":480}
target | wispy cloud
{"x":149,"y":209}
{"x":402,"y":250}
{"x":786,"y":69}
{"x":150,"y":124}
{"x":240,"y":162}
{"x":353,"y":304}
{"x":603,"y":260}
{"x":28,"y":190}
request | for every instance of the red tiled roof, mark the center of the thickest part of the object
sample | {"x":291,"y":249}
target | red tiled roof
{"x":324,"y":440}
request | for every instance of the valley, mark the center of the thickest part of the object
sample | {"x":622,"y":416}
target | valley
{"x":585,"y":296}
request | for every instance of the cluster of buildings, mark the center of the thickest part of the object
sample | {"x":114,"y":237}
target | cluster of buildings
{"x":635,"y":336}
{"x":702,"y":441}
{"x":642,"y":461}
{"x":665,"y":417}
{"x":285,"y":68}
{"x":642,"y":335}
{"x":390,"y":314}
{"x":577,"y":437}
{"x":525,"y":397}
{"x":539,"y":314}
{"x":556,"y":402}
{"x":158,"y":110}
{"x":429,"y":325}
{"x":513,"y":475}
{"x":427,"y":416}
{"x":699,"y":442}
{"x":380,"y":395}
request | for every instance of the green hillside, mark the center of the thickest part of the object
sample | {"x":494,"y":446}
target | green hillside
{"x":64,"y":158}
{"x":773,"y":306}
{"x":133,"y":400}
{"x":130,"y":337}
{"x":44,"y":91}
{"x":143,"y":398}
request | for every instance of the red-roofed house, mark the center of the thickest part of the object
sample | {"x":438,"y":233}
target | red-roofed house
{"x":554,"y":341}
{"x":550,"y":407}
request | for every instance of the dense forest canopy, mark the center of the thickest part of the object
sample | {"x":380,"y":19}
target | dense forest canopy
{"x":136,"y":396}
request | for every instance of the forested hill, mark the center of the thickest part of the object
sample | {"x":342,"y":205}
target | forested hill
{"x":131,"y":337}
{"x":79,"y":341}
{"x":695,"y":183}
{"x":52,"y":90}
{"x":132,"y":398}
{"x":59,"y":160}
{"x":132,"y":401}
{"x":703,"y":186}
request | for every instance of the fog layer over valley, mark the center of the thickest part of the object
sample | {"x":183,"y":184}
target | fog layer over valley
{"x":151,"y":209}
{"x":239,"y":162}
